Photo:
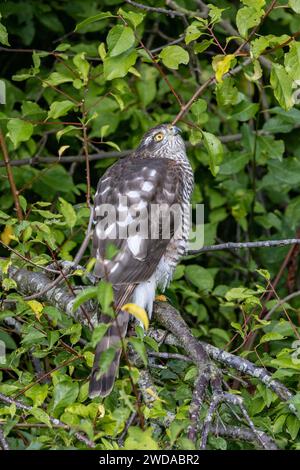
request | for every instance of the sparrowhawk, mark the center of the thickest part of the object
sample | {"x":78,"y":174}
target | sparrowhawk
{"x":157,"y":173}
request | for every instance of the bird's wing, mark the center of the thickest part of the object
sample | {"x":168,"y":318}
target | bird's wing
{"x":129,"y":189}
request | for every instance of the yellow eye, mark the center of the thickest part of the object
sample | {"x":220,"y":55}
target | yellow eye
{"x":158,"y":137}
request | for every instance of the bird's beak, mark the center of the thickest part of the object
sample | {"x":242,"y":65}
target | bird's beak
{"x":175,"y":130}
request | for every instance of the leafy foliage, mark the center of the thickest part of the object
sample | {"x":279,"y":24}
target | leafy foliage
{"x":88,"y":84}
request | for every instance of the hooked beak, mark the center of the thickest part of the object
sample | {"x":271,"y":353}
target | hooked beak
{"x":175,"y":130}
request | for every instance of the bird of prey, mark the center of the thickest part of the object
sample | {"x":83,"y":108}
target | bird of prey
{"x":157,"y":174}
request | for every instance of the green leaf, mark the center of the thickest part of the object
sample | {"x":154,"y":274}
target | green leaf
{"x":41,"y":416}
{"x":292,"y":61}
{"x":199,"y":277}
{"x":133,"y":17}
{"x":260,"y":44}
{"x":272,"y":336}
{"x":282,"y":85}
{"x":295,"y":5}
{"x":105,"y":296}
{"x":117,"y":67}
{"x":57,"y":78}
{"x":66,"y":209}
{"x":202,"y":46}
{"x":293,"y":422}
{"x":19,"y":131}
{"x":3,"y":35}
{"x":60,"y":108}
{"x":92,"y":19}
{"x":278,"y":424}
{"x":140,"y":440}
{"x":120,"y":39}
{"x":65,"y":131}
{"x":215,"y":151}
{"x":140,"y":348}
{"x":64,"y":394}
{"x":32,"y":336}
{"x":87,"y":294}
{"x":244,"y":111}
{"x":37,"y":394}
{"x":247,"y":18}
{"x":82,"y":66}
{"x":173,"y":56}
{"x":192,"y":32}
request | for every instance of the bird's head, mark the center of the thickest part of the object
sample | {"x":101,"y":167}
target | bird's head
{"x":165,"y":138}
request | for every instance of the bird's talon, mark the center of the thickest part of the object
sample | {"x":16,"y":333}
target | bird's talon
{"x":161,"y":298}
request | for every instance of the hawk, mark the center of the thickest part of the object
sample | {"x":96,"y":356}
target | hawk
{"x":157,"y":174}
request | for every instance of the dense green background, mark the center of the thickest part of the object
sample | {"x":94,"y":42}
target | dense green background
{"x":249,"y":185}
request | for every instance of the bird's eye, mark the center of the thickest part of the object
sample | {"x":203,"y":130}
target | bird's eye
{"x":158,"y":137}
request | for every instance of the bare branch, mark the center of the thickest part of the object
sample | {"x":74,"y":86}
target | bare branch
{"x":171,"y":13}
{"x":246,"y":245}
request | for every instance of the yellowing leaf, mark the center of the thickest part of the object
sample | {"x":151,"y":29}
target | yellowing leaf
{"x":221,"y":65}
{"x":62,"y":149}
{"x":36,"y":307}
{"x":137,"y":312}
{"x":7,"y":234}
{"x":101,"y":411}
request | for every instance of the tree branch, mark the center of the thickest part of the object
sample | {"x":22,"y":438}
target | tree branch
{"x":246,"y":245}
{"x":10,"y":176}
{"x":171,"y":13}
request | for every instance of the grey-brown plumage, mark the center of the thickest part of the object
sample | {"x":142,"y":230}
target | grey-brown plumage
{"x":158,"y":172}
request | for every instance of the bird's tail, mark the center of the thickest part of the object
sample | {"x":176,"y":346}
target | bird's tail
{"x":101,"y":383}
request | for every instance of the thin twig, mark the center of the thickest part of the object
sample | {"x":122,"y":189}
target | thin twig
{"x":10,"y":176}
